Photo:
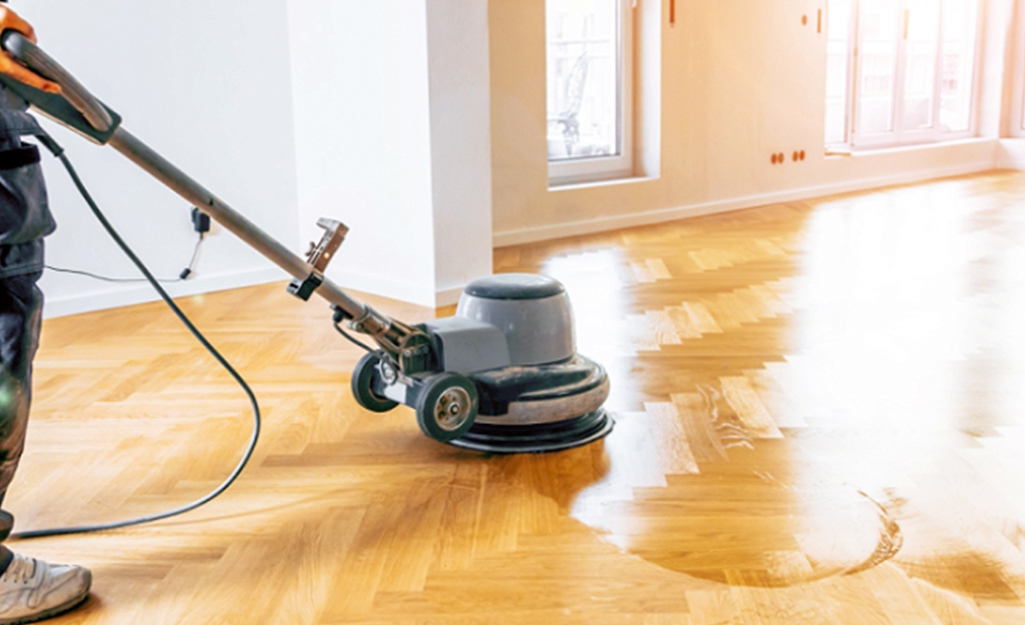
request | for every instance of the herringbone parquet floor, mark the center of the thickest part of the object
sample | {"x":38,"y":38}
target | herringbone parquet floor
{"x":820,"y":420}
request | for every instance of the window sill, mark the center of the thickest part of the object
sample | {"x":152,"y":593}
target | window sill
{"x":590,"y":184}
{"x":848,"y":152}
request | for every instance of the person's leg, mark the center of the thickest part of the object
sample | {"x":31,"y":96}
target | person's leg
{"x":20,"y":318}
{"x":30,"y":589}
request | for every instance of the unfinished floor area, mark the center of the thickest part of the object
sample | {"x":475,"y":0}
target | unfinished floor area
{"x":820,"y":419}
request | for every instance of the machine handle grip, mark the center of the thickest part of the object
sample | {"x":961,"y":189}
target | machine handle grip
{"x":33,"y":57}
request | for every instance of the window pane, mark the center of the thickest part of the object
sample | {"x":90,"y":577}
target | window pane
{"x":583,"y":78}
{"x":878,"y":51}
{"x":958,"y":64}
{"x":923,"y":30}
{"x":837,"y":79}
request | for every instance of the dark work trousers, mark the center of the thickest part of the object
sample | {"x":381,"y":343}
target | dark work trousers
{"x":21,"y":305}
{"x":24,"y":220}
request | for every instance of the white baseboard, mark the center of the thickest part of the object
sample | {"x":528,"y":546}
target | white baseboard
{"x":114,"y":296}
{"x":449,"y":296}
{"x":118,"y":296}
{"x":602,"y":224}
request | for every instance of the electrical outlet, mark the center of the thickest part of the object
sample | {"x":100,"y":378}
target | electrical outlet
{"x":200,"y":221}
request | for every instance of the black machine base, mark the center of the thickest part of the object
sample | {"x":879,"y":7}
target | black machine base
{"x":538,"y":438}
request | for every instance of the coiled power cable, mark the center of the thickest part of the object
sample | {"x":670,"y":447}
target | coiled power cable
{"x":58,"y":152}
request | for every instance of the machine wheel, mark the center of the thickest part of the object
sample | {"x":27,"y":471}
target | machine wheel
{"x":363,"y":377}
{"x":447,"y":406}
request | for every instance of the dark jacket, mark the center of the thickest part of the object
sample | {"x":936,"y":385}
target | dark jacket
{"x":24,"y":212}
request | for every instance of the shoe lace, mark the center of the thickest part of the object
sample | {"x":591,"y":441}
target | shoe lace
{"x":20,"y":570}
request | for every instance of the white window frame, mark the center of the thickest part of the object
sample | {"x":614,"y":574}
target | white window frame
{"x":598,"y":168}
{"x":848,"y":119}
{"x":898,"y":136}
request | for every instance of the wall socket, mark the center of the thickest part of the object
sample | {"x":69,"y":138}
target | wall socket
{"x":200,"y":221}
{"x":778,"y":158}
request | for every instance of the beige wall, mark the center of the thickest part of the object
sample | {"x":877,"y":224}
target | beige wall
{"x":740,"y":79}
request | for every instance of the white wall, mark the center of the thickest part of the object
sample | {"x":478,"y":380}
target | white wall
{"x":1015,"y":73}
{"x":207,"y":84}
{"x":363,"y":138}
{"x":996,"y":82}
{"x":374,"y":113}
{"x":392,"y":136}
{"x":460,"y":143}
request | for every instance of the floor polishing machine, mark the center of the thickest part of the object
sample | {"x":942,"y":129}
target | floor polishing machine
{"x":500,"y":376}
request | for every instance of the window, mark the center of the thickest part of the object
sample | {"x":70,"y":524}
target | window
{"x":589,"y":79}
{"x":900,"y":71}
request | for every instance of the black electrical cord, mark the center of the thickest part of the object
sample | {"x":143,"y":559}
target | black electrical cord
{"x":59,"y":153}
{"x":96,"y":276}
{"x":181,"y":278}
{"x":195,"y":257}
{"x":352,"y":339}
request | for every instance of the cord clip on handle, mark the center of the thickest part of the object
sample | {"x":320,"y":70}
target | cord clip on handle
{"x":33,"y":57}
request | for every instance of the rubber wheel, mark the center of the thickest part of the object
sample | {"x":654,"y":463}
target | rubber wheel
{"x":447,"y":406}
{"x":363,"y":377}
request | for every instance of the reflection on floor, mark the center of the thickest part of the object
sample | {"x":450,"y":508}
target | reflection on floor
{"x":820,"y":418}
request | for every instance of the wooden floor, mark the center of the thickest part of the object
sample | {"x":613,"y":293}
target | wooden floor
{"x":821,"y":419}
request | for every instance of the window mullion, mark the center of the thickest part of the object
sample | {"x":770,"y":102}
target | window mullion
{"x":937,"y":87}
{"x":858,"y":74}
{"x":899,"y":74}
{"x":853,"y":72}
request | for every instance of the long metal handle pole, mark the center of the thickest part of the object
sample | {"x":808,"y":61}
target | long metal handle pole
{"x":174,"y":178}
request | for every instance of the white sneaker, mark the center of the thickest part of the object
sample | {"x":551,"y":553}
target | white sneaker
{"x":32,"y":590}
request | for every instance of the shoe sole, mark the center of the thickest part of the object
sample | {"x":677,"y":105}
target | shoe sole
{"x":57,"y":611}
